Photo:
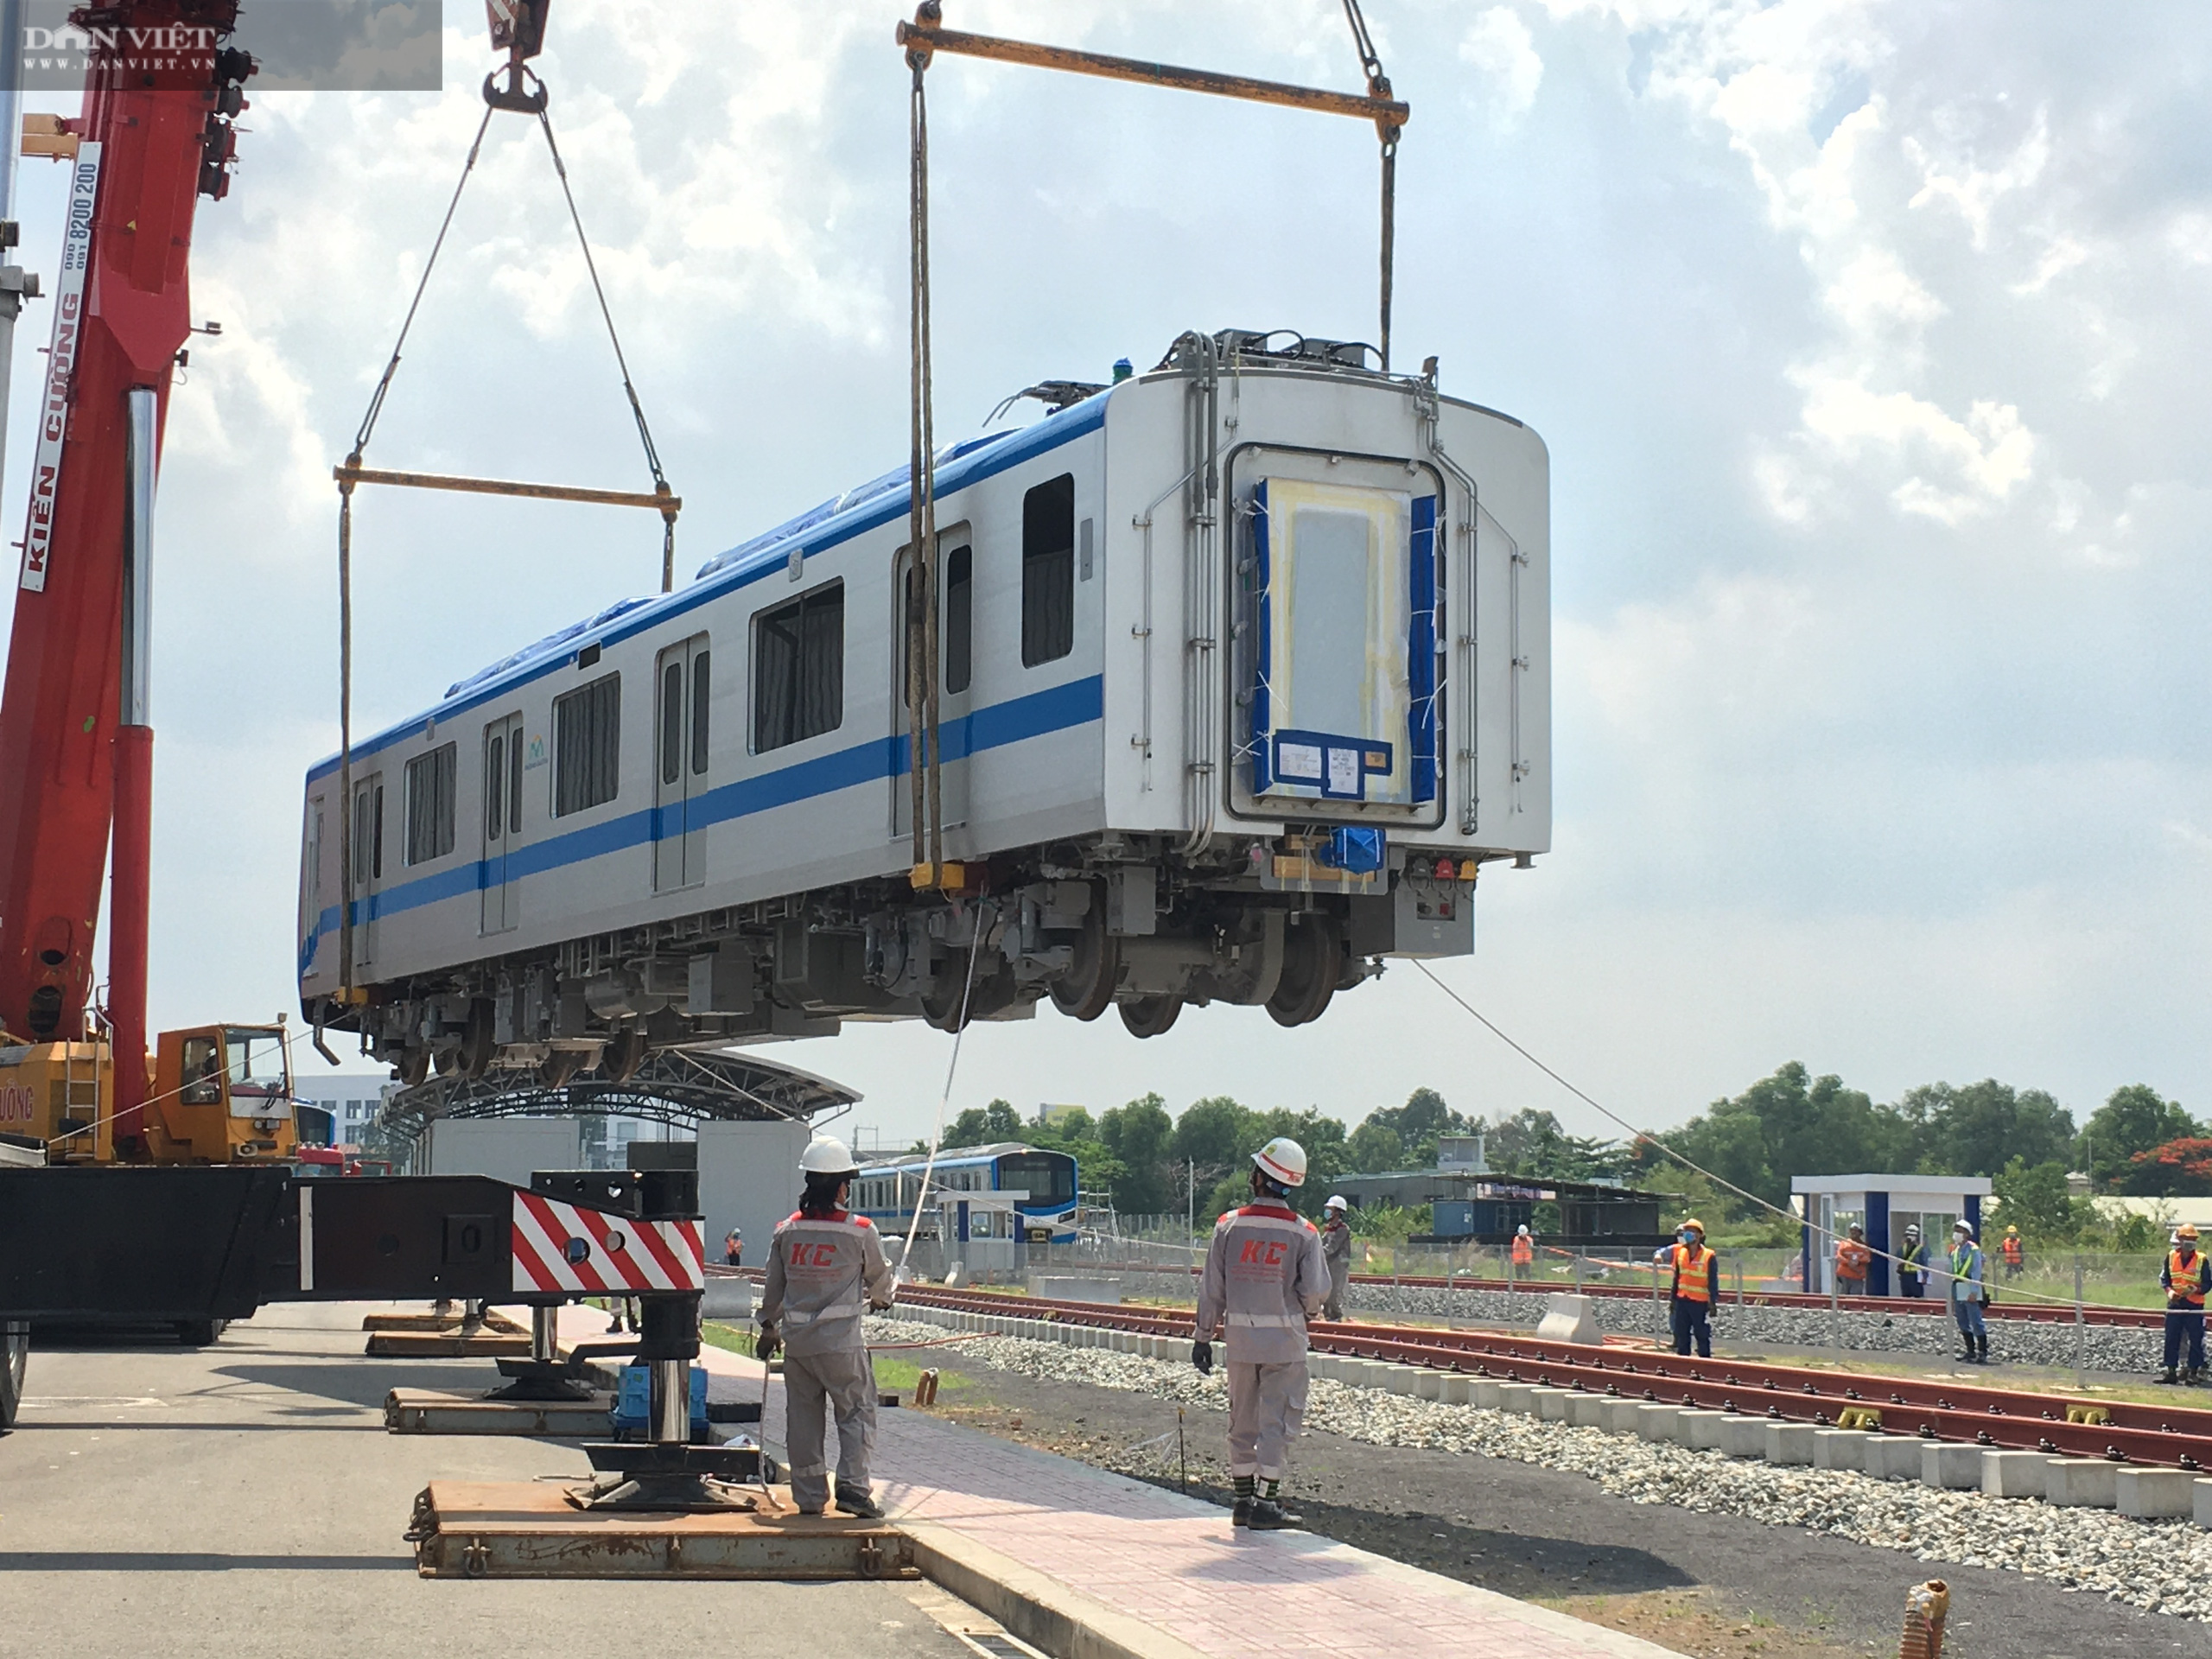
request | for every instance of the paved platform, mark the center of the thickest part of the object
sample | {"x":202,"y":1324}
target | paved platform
{"x":1149,"y":1572}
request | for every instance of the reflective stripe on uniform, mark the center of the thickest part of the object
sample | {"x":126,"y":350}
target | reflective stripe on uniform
{"x":2192,"y":1292}
{"x":1271,"y":1321}
{"x":1692,"y":1274}
{"x":793,"y":1316}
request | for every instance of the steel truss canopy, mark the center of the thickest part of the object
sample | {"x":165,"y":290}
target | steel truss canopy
{"x":682,"y":1087}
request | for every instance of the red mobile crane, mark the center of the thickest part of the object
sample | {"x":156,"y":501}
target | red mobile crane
{"x":162,"y":90}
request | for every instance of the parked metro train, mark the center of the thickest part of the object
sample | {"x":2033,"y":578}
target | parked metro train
{"x":1244,"y":673}
{"x":887,"y":1192}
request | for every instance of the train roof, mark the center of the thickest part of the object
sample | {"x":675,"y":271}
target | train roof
{"x":960,"y":1155}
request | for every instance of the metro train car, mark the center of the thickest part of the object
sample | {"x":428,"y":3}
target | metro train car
{"x":887,"y":1192}
{"x":1244,"y":674}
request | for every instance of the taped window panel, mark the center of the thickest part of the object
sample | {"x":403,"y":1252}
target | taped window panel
{"x":1422,"y":658}
{"x":1332,"y":698}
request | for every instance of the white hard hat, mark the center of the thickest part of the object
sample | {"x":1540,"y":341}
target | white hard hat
{"x":825,"y":1155}
{"x":1963,"y":1226}
{"x":1335,"y":1202}
{"x":1281,"y":1159}
{"x":1523,"y":1229}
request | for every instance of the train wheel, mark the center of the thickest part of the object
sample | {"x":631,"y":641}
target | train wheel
{"x":1148,"y":1016}
{"x":1085,"y":989}
{"x":414,"y":1064}
{"x":624,"y":1053}
{"x":992,"y":992}
{"x":559,"y":1065}
{"x":14,"y":1364}
{"x":477,"y":1048}
{"x":1313,"y":963}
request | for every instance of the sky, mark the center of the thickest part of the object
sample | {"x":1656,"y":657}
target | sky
{"x":1863,"y":337}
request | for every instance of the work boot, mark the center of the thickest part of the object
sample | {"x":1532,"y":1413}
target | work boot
{"x":1982,"y":1343}
{"x":2194,"y":1377}
{"x":2169,"y":1374}
{"x":1966,"y":1358}
{"x":859,"y":1503}
{"x":1241,"y":1514}
{"x":1269,"y":1516}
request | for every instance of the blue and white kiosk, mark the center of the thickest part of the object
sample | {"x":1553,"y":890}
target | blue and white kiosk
{"x":1884,"y":1205}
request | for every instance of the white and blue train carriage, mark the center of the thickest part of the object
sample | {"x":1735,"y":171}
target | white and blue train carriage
{"x":1245,"y":671}
{"x":1044,"y":1181}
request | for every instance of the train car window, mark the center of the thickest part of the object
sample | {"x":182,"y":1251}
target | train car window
{"x":514,"y":783}
{"x":700,"y":703}
{"x":671,"y":722}
{"x":959,"y":617}
{"x":798,"y":668}
{"x":495,"y":782}
{"x":430,"y":804}
{"x":1048,"y":571}
{"x":376,"y":837}
{"x":586,"y":746}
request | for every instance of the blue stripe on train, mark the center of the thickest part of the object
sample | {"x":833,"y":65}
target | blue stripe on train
{"x":1058,"y":708}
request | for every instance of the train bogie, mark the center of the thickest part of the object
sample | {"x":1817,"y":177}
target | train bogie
{"x":1242,"y":673}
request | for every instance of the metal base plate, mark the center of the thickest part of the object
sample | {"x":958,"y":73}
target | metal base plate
{"x":431,"y":1411}
{"x":484,"y":1343}
{"x":530,"y":1530}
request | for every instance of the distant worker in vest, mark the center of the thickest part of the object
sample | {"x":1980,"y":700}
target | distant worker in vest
{"x":2186,"y":1277}
{"x":1265,"y":1277}
{"x":1336,"y":1250}
{"x":734,"y":1249}
{"x":1524,"y":1253}
{"x":1691,"y":1304}
{"x":1912,"y":1264}
{"x":1968,"y":1293}
{"x":1853,"y":1256}
{"x":825,"y":1265}
{"x":2015,"y":1254}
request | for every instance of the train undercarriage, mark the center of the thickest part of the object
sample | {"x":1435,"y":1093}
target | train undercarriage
{"x":1280,"y":924}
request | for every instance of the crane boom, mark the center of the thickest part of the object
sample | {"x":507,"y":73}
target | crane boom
{"x":154,"y":135}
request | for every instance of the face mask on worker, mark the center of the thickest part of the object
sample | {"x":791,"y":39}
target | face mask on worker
{"x":1686,"y":1237}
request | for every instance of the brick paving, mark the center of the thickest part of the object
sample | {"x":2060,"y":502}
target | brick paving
{"x":1172,"y":1562}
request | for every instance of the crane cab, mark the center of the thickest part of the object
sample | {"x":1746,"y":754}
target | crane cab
{"x":222,"y":1094}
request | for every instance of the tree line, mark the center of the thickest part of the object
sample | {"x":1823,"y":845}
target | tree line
{"x":1789,"y":1123}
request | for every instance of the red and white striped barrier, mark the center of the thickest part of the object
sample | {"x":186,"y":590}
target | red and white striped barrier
{"x":561,"y":1246}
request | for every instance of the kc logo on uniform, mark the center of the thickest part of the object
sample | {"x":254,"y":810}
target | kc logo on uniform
{"x":1257,"y":1254}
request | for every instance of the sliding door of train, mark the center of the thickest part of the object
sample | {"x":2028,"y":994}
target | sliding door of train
{"x":956,"y":657}
{"x":368,"y":866}
{"x":681,"y":702}
{"x":503,"y":766}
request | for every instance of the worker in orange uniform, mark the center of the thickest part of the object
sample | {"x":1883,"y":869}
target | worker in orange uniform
{"x":1524,"y":1252}
{"x":2015,"y":1254}
{"x":1265,"y":1277}
{"x":825,"y":1266}
{"x":1853,"y":1257}
{"x":1691,"y":1304}
{"x":2186,"y":1277}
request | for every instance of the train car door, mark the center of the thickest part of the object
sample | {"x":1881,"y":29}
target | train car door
{"x":368,"y":867}
{"x":682,"y":701}
{"x":956,"y":655}
{"x":503,"y":755}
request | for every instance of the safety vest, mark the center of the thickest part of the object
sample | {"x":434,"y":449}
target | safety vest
{"x":2012,"y":1252}
{"x":1524,"y":1251}
{"x":1692,"y":1273}
{"x":2190,"y":1290}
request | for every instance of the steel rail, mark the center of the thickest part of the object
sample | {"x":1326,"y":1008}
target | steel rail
{"x":2099,"y":1313}
{"x":1935,"y":1410}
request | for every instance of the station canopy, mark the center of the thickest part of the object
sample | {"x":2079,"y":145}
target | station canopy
{"x":682,"y":1087}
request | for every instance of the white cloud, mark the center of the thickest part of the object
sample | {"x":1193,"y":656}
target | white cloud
{"x":1502,"y":49}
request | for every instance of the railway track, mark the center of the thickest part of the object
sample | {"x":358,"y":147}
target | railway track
{"x":1933,"y":1409}
{"x":2032,"y":1312}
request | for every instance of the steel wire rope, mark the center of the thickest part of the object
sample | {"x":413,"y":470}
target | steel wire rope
{"x":923,"y":735}
{"x":1644,"y":1137}
{"x":937,"y":1134}
{"x":1378,"y":86}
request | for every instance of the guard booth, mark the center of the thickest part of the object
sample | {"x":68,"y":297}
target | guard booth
{"x":1885,"y":1205}
{"x":983,"y":1230}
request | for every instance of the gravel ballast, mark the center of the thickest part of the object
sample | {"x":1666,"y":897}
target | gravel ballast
{"x":2163,"y":1567}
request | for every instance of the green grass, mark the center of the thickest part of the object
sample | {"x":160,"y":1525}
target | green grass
{"x":730,"y":1337}
{"x":899,"y":1374}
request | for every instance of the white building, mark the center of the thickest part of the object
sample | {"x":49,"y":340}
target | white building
{"x":350,"y":1097}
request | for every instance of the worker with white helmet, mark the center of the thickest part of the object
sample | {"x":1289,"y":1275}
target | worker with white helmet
{"x":824,"y":1264}
{"x":1969,"y":1294}
{"x":1265,"y":1277}
{"x":1336,"y":1250}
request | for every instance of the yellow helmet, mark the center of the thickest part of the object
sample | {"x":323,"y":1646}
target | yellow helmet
{"x":1692,"y":1221}
{"x":2012,"y":1230}
{"x":2186,"y":1230}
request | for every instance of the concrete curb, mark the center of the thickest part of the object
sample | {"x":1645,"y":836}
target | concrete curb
{"x":1034,"y":1605}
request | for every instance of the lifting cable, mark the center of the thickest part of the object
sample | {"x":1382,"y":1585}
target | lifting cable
{"x":921,"y":40}
{"x":662,"y":499}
